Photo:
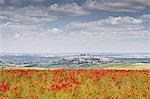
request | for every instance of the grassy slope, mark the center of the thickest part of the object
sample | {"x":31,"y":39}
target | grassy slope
{"x":134,"y":66}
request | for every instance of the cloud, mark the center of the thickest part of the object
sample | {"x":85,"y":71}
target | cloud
{"x":16,"y":36}
{"x":109,"y":28}
{"x":2,"y":2}
{"x":30,"y":20}
{"x":23,"y":21}
{"x":30,"y":7}
{"x":71,"y":8}
{"x":20,"y":3}
{"x":68,"y":9}
{"x":26,"y":15}
{"x":146,"y":16}
{"x":110,"y":22}
{"x":117,"y":5}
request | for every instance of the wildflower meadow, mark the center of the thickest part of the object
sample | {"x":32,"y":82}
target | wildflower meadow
{"x":74,"y":84}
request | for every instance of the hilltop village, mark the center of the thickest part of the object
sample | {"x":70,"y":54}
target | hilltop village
{"x":83,"y":59}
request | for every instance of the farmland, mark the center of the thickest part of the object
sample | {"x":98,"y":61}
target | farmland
{"x":74,"y":84}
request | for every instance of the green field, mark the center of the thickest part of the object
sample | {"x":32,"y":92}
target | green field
{"x":118,"y":66}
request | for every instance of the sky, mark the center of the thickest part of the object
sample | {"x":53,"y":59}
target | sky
{"x":74,"y":26}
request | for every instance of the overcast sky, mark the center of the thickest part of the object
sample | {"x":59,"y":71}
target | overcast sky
{"x":66,"y":26}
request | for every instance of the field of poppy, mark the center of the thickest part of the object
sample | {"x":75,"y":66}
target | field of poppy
{"x":74,"y":84}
